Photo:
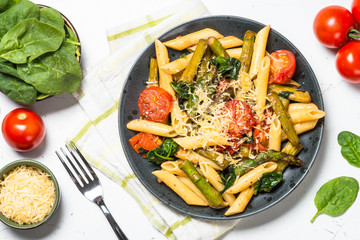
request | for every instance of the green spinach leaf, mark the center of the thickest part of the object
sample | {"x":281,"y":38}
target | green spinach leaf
{"x":228,"y":177}
{"x":336,"y":196}
{"x":53,"y":18}
{"x":17,"y":12}
{"x":267,"y":182}
{"x":53,"y":73}
{"x":164,"y":153}
{"x":8,"y":68}
{"x":350,"y":147}
{"x":228,"y":68}
{"x":17,"y":89}
{"x":28,"y":40}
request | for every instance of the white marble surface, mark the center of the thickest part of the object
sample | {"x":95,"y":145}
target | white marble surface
{"x":77,"y":218}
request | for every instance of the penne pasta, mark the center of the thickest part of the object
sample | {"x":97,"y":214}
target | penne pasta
{"x":205,"y":140}
{"x":261,"y":84}
{"x":162,"y":58}
{"x":251,"y":177}
{"x":241,"y":201}
{"x":155,"y":128}
{"x":177,"y":65}
{"x":259,"y":51}
{"x":227,"y":42}
{"x":179,"y":120}
{"x":275,"y":134}
{"x":173,"y":167}
{"x":301,"y":128}
{"x":195,"y":158}
{"x":183,"y":42}
{"x":179,"y":188}
{"x":304,"y":116}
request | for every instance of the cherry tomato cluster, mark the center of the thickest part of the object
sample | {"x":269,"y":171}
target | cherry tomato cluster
{"x":335,"y":27}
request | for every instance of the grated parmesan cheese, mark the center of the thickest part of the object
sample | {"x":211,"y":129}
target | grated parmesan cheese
{"x":27,"y":195}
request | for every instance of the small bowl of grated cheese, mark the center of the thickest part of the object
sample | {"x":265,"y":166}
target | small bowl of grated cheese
{"x":29,"y":194}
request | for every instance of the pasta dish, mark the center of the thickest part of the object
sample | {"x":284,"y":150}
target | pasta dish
{"x":222,"y":121}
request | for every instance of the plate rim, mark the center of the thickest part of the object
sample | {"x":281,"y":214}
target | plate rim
{"x":221,"y":217}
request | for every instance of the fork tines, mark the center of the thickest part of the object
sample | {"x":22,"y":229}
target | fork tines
{"x":84,"y":178}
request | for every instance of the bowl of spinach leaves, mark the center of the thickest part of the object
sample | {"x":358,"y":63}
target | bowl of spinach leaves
{"x":39,"y":52}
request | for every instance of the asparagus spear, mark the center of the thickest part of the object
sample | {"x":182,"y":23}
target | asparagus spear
{"x":214,"y":198}
{"x":216,"y":157}
{"x":153,"y":73}
{"x":269,"y":155}
{"x":203,"y":68}
{"x":217,"y":48}
{"x":191,"y":69}
{"x":293,"y":94}
{"x":284,"y":118}
{"x":248,"y":47}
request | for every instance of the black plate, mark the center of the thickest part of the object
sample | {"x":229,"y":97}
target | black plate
{"x":135,"y":83}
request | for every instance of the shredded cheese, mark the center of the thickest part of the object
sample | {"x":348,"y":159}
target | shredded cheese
{"x":27,"y":195}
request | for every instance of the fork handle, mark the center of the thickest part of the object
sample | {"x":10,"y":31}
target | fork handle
{"x":100,"y":202}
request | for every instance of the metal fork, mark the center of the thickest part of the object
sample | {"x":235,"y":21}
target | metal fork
{"x":90,"y":187}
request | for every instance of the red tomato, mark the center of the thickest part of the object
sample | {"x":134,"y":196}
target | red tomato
{"x":355,"y":10}
{"x":23,"y":129}
{"x":348,"y":61}
{"x":155,"y":103}
{"x":146,"y":141}
{"x":332,"y":24}
{"x":282,"y":66}
{"x":241,"y":118}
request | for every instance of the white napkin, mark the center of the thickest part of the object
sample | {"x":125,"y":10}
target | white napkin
{"x":98,"y":138}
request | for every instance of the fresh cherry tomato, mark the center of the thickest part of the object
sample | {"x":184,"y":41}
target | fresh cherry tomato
{"x":348,"y":61}
{"x":241,"y":118}
{"x":146,"y":141}
{"x":355,"y":10}
{"x":282,"y":66}
{"x":155,"y":104}
{"x":23,"y":129}
{"x":332,"y":24}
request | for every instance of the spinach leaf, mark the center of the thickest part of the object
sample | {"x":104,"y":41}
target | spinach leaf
{"x":350,"y":147}
{"x":267,"y":182}
{"x":53,"y":73}
{"x":53,"y":18}
{"x":70,"y":37}
{"x":8,"y":68}
{"x":16,"y":13}
{"x":28,"y":40}
{"x":17,"y":89}
{"x":228,"y":68}
{"x":164,"y":153}
{"x":336,"y":196}
{"x":228,"y":177}
{"x":182,"y":88}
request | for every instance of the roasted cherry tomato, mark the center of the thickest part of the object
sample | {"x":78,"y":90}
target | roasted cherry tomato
{"x":155,"y":104}
{"x":282,"y":66}
{"x":332,"y":24}
{"x":241,"y":118}
{"x":23,"y":129}
{"x":355,"y":10}
{"x":348,"y":61}
{"x":146,"y":141}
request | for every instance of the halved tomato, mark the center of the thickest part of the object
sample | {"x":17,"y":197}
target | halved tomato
{"x":146,"y":141}
{"x":282,"y":66}
{"x":155,"y":104}
{"x":241,"y":118}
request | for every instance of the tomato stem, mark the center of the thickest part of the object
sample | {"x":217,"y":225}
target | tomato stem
{"x":354,"y":34}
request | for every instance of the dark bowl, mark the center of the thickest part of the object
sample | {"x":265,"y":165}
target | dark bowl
{"x":31,"y":163}
{"x":136,"y":82}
